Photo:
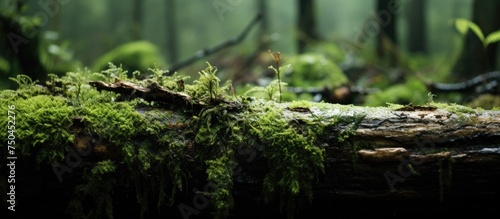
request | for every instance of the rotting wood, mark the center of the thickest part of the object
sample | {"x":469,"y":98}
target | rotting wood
{"x":389,"y":154}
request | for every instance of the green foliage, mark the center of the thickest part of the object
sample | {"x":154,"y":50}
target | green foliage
{"x":485,"y":101}
{"x":331,"y":51}
{"x":207,"y":87}
{"x":208,"y":83}
{"x":270,"y":91}
{"x":464,"y":25}
{"x":172,"y":82}
{"x":133,"y":56}
{"x":412,"y":91}
{"x":314,"y":70}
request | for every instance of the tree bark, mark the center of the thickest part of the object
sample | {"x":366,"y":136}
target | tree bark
{"x":410,"y":160}
{"x":411,"y":154}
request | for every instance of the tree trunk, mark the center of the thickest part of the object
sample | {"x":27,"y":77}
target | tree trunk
{"x":386,"y":16}
{"x":171,"y":21}
{"x":137,"y":18}
{"x":306,"y":24}
{"x":417,"y":32}
{"x":264,"y":35}
{"x":435,"y":159}
{"x":475,"y":59}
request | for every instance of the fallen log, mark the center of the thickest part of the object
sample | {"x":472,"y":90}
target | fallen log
{"x":163,"y":152}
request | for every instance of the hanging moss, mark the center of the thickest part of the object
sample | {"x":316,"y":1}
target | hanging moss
{"x":293,"y":158}
{"x":99,"y":188}
{"x":152,"y":146}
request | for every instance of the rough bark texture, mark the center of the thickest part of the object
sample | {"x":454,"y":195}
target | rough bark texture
{"x":411,"y":160}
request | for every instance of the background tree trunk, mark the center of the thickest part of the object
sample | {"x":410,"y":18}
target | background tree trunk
{"x":386,"y":38}
{"x":137,"y":18}
{"x":171,"y":21}
{"x":417,"y":28}
{"x":264,"y":35}
{"x":306,"y":24}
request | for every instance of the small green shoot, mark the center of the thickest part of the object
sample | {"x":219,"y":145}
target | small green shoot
{"x":463,"y":25}
{"x":277,"y":58}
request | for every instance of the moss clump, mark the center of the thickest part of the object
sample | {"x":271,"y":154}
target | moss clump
{"x":220,"y":177}
{"x":294,"y":161}
{"x":412,"y":91}
{"x":217,"y":135}
{"x":133,"y":56}
{"x":453,"y":107}
{"x":485,"y":101}
{"x":42,"y":126}
{"x":151,"y":154}
{"x":117,"y":122}
{"x":300,"y":104}
{"x":314,"y":70}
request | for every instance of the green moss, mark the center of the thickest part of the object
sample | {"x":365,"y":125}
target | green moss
{"x":331,"y":51}
{"x":217,"y":135}
{"x":453,"y":107}
{"x":300,"y":104}
{"x":412,"y":91}
{"x":99,"y":188}
{"x":41,"y":126}
{"x":207,"y":87}
{"x":117,"y":122}
{"x":294,"y":160}
{"x":133,"y":56}
{"x":485,"y":101}
{"x":220,"y":177}
{"x":314,"y":70}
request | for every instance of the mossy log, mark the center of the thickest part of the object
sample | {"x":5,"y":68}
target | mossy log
{"x":258,"y":155}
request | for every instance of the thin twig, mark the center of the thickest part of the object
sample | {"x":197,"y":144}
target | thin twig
{"x":208,"y":51}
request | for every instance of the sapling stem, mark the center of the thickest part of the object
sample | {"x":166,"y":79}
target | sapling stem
{"x":277,"y":57}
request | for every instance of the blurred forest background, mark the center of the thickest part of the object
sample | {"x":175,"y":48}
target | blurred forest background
{"x":364,"y":52}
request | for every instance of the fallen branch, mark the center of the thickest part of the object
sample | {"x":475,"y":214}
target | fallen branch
{"x":208,"y":51}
